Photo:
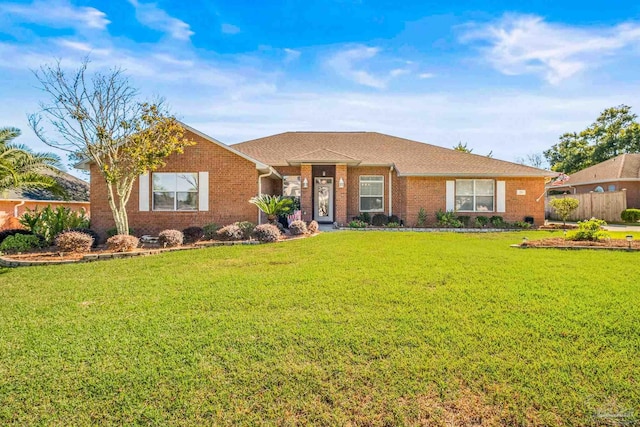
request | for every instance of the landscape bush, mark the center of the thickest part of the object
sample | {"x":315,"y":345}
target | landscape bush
{"x":630,"y":215}
{"x":230,"y":232}
{"x":497,"y":221}
{"x":247,"y":228}
{"x":589,"y":230}
{"x":564,"y":207}
{"x":365,"y":217}
{"x":481,"y":221}
{"x":394,"y":218}
{"x":50,"y":222}
{"x":312,"y":228}
{"x":297,"y":228}
{"x":170,"y":238}
{"x":20,"y":243}
{"x":122,"y":243}
{"x":422,"y":218}
{"x":393,"y":224}
{"x":90,"y":232}
{"x":448,"y":219}
{"x":12,"y":232}
{"x":192,"y":234}
{"x":74,"y":241}
{"x":266,"y":233}
{"x":522,"y":224}
{"x":114,"y":231}
{"x":379,"y":220}
{"x":210,"y":231}
{"x":358,"y":223}
{"x":464,"y":219}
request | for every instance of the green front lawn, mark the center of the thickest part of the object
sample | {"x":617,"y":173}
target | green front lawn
{"x":344,"y":328}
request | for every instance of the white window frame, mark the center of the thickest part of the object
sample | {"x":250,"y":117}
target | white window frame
{"x":360,"y":196}
{"x":175,"y":195}
{"x":474,"y":195}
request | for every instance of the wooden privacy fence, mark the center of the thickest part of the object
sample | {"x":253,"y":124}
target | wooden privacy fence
{"x":607,"y":206}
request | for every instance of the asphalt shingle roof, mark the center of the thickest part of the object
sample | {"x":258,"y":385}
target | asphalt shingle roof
{"x":624,"y":166}
{"x":372,"y":148}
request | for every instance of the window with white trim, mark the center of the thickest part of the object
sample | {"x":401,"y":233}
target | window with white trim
{"x":372,"y":193}
{"x":475,"y":195}
{"x":175,"y":191}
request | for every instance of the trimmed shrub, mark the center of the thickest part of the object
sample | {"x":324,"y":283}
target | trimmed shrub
{"x":630,"y":215}
{"x":394,"y":218}
{"x":122,"y":243}
{"x":497,"y":221}
{"x":393,"y":224}
{"x":379,"y":220}
{"x":464,"y":219}
{"x":522,"y":224}
{"x":365,"y":217}
{"x":192,"y":234}
{"x":114,"y":232}
{"x":448,"y":219}
{"x":297,"y":228}
{"x":312,"y":228}
{"x":247,"y":228}
{"x":589,"y":230}
{"x":266,"y":233}
{"x":481,"y":221}
{"x":230,"y":232}
{"x":12,"y":232}
{"x":170,"y":238}
{"x":356,"y":223}
{"x":210,"y":231}
{"x":74,"y":241}
{"x":90,"y":232}
{"x":20,"y":243}
{"x":422,"y":218}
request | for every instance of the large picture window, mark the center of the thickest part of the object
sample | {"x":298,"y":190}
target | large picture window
{"x":475,"y":195}
{"x":371,"y":193}
{"x":175,"y":191}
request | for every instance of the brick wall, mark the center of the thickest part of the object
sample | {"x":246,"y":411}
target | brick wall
{"x":353,"y":189}
{"x":430,"y":194}
{"x":233,"y":180}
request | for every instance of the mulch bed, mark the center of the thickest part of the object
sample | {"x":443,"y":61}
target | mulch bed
{"x":560,"y":242}
{"x":557,"y":227}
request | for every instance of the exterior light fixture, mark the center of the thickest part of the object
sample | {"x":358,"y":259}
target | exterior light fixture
{"x":341,"y":183}
{"x":629,"y":240}
{"x":305,"y":183}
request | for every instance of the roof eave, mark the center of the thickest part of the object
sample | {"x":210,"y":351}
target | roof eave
{"x":474,"y":175}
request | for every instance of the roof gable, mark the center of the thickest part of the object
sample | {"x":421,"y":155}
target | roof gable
{"x":624,"y":166}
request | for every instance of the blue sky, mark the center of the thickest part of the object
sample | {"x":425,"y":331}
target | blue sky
{"x":498,"y":75}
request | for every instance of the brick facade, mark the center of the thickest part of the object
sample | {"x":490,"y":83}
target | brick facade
{"x":233,"y":180}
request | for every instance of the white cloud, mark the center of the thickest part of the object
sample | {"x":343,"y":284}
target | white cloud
{"x":229,"y":29}
{"x":426,"y":75}
{"x":291,"y":54}
{"x":151,"y":16}
{"x":527,"y":44}
{"x":55,"y":14}
{"x":345,"y":63}
{"x":398,"y":72}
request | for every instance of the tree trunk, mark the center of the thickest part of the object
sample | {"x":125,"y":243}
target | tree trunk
{"x":119,"y":211}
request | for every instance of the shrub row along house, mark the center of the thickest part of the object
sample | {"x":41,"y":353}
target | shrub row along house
{"x":336,"y":175}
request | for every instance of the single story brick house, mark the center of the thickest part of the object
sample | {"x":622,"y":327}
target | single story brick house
{"x":336,"y":175}
{"x":619,"y":173}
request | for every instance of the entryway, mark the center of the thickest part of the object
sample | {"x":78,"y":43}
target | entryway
{"x":323,"y":198}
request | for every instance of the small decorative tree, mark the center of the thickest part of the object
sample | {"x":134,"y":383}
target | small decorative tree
{"x":272,"y":206}
{"x":564,"y":207}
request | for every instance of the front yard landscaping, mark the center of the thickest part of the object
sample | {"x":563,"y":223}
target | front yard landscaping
{"x":345,"y":328}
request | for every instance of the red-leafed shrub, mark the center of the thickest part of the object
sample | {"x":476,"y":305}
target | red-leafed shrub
{"x":193,"y":234}
{"x":74,"y":241}
{"x":230,"y":232}
{"x":170,"y":238}
{"x":122,"y":243}
{"x":267,"y":233}
{"x":297,"y":228}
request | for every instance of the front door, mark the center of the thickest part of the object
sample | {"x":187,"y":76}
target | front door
{"x":323,"y":196}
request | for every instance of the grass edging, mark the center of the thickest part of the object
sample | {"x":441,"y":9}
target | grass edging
{"x":604,"y":248}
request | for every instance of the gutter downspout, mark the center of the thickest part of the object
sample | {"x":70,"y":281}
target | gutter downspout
{"x":15,"y":208}
{"x":260,"y":190}
{"x":390,"y":192}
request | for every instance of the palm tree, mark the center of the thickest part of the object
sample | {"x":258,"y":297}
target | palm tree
{"x":22,"y":168}
{"x":272,"y":206}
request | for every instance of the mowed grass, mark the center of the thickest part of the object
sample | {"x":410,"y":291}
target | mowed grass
{"x":345,"y":328}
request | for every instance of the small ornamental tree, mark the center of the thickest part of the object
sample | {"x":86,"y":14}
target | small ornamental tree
{"x":100,"y":120}
{"x":564,"y":207}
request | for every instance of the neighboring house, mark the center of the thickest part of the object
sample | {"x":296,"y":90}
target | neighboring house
{"x":337,"y":176}
{"x":616,"y":174}
{"x":13,"y":203}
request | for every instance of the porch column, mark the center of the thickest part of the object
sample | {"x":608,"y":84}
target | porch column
{"x":341,"y":194}
{"x":306,"y":194}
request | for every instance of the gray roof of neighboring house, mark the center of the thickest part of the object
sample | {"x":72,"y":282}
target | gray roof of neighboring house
{"x":372,"y":148}
{"x":77,"y":189}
